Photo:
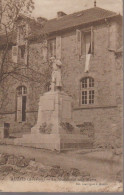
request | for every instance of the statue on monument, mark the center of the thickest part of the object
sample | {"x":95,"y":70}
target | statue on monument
{"x":56,"y":83}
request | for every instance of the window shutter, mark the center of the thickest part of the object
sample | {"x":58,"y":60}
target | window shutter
{"x":112,"y":38}
{"x":26,"y":53}
{"x":78,"y":41}
{"x":15,"y":54}
{"x":45,"y":51}
{"x":18,"y":36}
{"x":92,"y":40}
{"x":58,"y":47}
{"x":26,"y":56}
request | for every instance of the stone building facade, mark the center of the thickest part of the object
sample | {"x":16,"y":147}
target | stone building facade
{"x":89,"y":44}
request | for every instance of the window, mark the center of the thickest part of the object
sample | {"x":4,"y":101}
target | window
{"x":15,"y":54}
{"x":87,"y":91}
{"x":22,"y":33}
{"x":48,"y":86}
{"x":86,"y":43}
{"x":52,"y":48}
{"x":22,"y":90}
{"x":21,"y":94}
{"x":22,"y":51}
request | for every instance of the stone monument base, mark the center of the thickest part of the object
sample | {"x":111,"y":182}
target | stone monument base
{"x":55,"y":129}
{"x":54,"y":141}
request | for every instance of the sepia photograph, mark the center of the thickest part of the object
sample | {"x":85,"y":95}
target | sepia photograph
{"x":61,"y":96}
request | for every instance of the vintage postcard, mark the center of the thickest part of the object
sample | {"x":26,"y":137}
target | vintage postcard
{"x":61,"y":96}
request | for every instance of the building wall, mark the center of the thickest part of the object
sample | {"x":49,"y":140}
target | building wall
{"x":105,"y":68}
{"x":35,"y":87}
{"x":101,"y":68}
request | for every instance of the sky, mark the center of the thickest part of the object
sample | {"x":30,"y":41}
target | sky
{"x":49,"y":8}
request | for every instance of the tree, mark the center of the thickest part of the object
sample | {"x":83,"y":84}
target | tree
{"x":10,"y":12}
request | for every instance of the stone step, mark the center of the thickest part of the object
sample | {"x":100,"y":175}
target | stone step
{"x":7,"y":141}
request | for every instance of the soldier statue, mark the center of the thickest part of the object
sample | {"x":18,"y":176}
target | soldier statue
{"x":56,"y":83}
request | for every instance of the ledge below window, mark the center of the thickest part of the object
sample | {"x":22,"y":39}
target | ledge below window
{"x":94,"y":107}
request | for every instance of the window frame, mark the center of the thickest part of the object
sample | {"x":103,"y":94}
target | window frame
{"x":83,"y":42}
{"x":88,"y":90}
{"x":22,"y":89}
{"x":21,"y":47}
{"x":80,"y":41}
{"x":22,"y":32}
{"x":52,"y":52}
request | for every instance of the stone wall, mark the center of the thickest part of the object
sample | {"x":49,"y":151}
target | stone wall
{"x":35,"y":87}
{"x":105,"y":68}
{"x":101,"y":68}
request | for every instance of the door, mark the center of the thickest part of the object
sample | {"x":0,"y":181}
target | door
{"x":21,"y":103}
{"x":23,"y":108}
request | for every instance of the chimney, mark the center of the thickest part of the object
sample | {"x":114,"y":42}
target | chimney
{"x":60,"y":14}
{"x":41,"y":20}
{"x":94,"y":3}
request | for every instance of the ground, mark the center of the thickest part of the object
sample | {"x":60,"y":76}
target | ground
{"x":39,"y":164}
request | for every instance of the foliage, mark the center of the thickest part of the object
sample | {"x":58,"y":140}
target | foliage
{"x":67,"y":127}
{"x":9,"y":12}
{"x":9,"y":71}
{"x":46,"y":128}
{"x":87,"y":128}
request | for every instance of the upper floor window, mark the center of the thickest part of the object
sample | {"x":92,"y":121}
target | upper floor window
{"x":22,"y":51}
{"x":87,"y":90}
{"x":22,"y":32}
{"x":84,"y":41}
{"x":52,"y":48}
{"x":20,"y":54}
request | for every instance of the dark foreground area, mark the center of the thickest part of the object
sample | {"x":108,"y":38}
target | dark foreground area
{"x":23,"y":163}
{"x":21,"y":168}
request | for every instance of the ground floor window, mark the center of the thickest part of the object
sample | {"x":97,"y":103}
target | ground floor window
{"x":87,"y":91}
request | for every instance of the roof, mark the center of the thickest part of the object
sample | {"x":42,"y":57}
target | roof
{"x":68,"y":21}
{"x":74,"y":20}
{"x":78,"y":18}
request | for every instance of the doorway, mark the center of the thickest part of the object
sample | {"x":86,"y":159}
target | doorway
{"x":21,"y":104}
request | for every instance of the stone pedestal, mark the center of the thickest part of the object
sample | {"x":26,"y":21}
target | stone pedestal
{"x":55,"y":128}
{"x":55,"y":113}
